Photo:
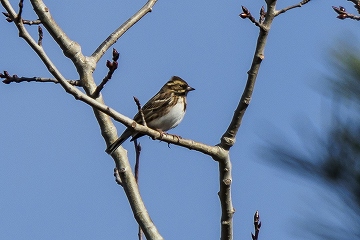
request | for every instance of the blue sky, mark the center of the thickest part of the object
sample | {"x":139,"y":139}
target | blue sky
{"x":55,"y":178}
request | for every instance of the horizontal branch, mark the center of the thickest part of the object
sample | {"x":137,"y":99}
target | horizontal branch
{"x":15,"y":79}
{"x":24,"y":21}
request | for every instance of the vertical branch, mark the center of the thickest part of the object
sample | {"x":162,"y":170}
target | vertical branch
{"x":228,"y":138}
{"x":41,"y":35}
{"x":227,"y":209}
{"x":137,"y":168}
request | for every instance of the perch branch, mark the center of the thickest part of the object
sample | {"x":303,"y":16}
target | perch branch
{"x":84,"y":65}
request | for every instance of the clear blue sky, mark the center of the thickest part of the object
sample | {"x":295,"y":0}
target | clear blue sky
{"x":56,"y":181}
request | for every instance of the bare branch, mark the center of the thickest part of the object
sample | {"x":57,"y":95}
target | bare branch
{"x":114,"y":36}
{"x":71,"y":49}
{"x":247,"y":14}
{"x":27,"y":22}
{"x":41,"y":35}
{"x":300,"y":4}
{"x":138,"y":104}
{"x":343,"y":14}
{"x":21,"y":5}
{"x":227,"y":209}
{"x":112,"y":66}
{"x":85,"y":67}
{"x":228,"y":138}
{"x":137,"y":172}
{"x":15,"y":79}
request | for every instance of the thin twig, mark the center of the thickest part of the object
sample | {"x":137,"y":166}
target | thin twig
{"x":137,"y":172}
{"x":24,"y":21}
{"x":138,"y":104}
{"x":247,"y":14}
{"x":15,"y":79}
{"x":21,"y":5}
{"x":343,"y":14}
{"x":300,"y":4}
{"x":114,"y":36}
{"x":112,"y":66}
{"x":117,"y":177}
{"x":257,"y":226}
{"x":41,"y":35}
{"x":262,"y":15}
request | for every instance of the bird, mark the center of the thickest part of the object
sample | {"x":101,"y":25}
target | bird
{"x":162,"y":112}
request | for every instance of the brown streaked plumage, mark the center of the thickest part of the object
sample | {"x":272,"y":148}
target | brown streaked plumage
{"x":162,"y":112}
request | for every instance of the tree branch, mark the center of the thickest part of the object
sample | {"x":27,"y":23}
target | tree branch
{"x":27,"y":22}
{"x":85,"y":68}
{"x":300,"y":4}
{"x":228,"y":138}
{"x":112,"y":66}
{"x":343,"y":14}
{"x":41,"y":35}
{"x":114,"y":36}
{"x":247,"y":14}
{"x":14,"y":78}
{"x":227,"y":209}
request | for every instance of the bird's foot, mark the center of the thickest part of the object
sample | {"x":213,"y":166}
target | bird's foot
{"x":162,"y":133}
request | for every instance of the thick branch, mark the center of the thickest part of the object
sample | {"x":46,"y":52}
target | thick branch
{"x":227,"y":209}
{"x":114,"y":36}
{"x":71,"y":49}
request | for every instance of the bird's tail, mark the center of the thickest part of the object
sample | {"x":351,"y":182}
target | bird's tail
{"x":110,"y":149}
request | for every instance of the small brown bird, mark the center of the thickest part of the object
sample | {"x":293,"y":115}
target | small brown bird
{"x":162,"y":112}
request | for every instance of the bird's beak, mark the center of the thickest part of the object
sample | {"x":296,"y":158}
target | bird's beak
{"x":190,"y":89}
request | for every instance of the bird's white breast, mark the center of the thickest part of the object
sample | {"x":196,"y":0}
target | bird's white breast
{"x":171,"y":119}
